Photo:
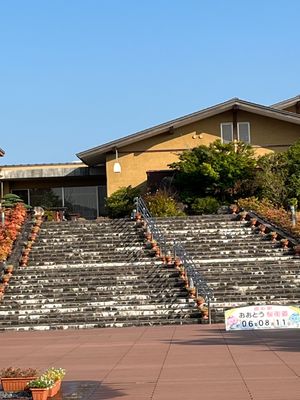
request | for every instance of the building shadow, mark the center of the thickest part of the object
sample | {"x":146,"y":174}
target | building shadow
{"x":273,"y":340}
{"x":86,"y":390}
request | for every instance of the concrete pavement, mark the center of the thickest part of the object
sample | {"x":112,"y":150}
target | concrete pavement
{"x":163,"y":362}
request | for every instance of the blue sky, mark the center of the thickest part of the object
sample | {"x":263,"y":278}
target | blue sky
{"x":76,"y":74}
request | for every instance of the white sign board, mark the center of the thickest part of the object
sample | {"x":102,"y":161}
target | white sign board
{"x":262,"y":317}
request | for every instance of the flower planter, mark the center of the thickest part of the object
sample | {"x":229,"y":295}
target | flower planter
{"x":157,"y":251}
{"x":55,"y":389}
{"x":192,"y":292}
{"x":15,"y":384}
{"x":274,"y":236}
{"x":177,"y":262}
{"x":9,"y":269}
{"x":39,"y":393}
{"x":169,"y":260}
{"x":243,"y":215}
{"x":200,"y":301}
{"x":297,"y":250}
{"x":233,"y":208}
{"x":138,"y":216}
{"x":285,"y":243}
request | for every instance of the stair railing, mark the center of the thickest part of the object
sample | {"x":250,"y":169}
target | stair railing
{"x":141,"y":208}
{"x":194,"y":277}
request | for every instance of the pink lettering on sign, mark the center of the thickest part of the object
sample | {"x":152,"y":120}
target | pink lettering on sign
{"x":276,"y":314}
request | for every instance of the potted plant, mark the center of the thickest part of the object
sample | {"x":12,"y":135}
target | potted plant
{"x":40,"y":387}
{"x":16,"y":379}
{"x":192,"y":291}
{"x":5,"y":279}
{"x":285,"y":243}
{"x":177,"y":262}
{"x":233,"y":208}
{"x":138,"y":216}
{"x":56,"y":374}
{"x":243,"y":215}
{"x":253,"y":222}
{"x":200,"y":300}
{"x":273,"y":235}
{"x":297,"y":249}
{"x":9,"y":269}
{"x":204,"y":312}
{"x":169,"y":258}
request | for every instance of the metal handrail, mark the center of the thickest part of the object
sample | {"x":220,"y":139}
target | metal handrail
{"x":195,"y":278}
{"x":140,"y":207}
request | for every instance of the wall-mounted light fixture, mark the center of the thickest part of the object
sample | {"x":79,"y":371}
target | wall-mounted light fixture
{"x":117,"y":165}
{"x":197,"y":135}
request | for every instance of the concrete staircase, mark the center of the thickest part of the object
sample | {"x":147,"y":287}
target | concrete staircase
{"x":241,"y":266}
{"x":93,"y":274}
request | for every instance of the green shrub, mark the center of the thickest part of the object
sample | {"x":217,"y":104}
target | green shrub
{"x":9,"y":200}
{"x":162,"y":204}
{"x":120,"y":203}
{"x":205,"y":205}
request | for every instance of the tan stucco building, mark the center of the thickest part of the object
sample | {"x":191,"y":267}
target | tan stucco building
{"x":130,"y":160}
{"x":267,"y":129}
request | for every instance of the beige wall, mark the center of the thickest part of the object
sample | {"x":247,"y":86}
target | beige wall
{"x":267,"y":134}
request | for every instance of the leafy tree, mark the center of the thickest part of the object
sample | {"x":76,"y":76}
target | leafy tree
{"x":163,"y":204}
{"x":224,"y":171}
{"x":271,"y":177}
{"x":205,"y":205}
{"x":293,"y":177}
{"x":120,"y":203}
{"x":278,"y":176}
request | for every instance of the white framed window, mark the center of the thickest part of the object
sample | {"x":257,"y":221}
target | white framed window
{"x":227,"y":132}
{"x":243,"y":131}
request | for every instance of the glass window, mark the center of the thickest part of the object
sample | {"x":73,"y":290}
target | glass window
{"x":244,"y":132}
{"x":227,"y":132}
{"x":23,"y":194}
{"x":82,"y":200}
{"x":86,"y":201}
{"x":46,"y":197}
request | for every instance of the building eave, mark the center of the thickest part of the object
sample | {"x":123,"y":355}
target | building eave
{"x":286,"y":103}
{"x":97,"y":154}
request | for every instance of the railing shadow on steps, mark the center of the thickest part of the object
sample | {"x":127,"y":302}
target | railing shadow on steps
{"x":121,"y":227}
{"x":194,"y":277}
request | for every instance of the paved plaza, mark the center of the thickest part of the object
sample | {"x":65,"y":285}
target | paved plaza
{"x":164,"y":362}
